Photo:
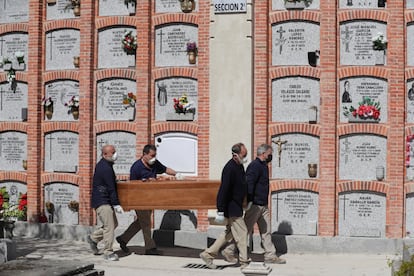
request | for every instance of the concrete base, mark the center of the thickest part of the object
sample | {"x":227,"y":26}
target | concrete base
{"x":200,"y":240}
{"x":255,"y":269}
{"x":7,"y":250}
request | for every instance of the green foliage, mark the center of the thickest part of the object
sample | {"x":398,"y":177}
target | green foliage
{"x":406,"y":268}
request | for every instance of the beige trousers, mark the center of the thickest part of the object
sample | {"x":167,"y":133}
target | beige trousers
{"x":235,"y":229}
{"x":143,"y":222}
{"x":106,"y":232}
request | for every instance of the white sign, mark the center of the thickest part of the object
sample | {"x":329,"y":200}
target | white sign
{"x":229,"y":6}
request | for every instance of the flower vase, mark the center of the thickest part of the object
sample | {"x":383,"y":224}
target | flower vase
{"x":51,"y":2}
{"x":76,"y":61}
{"x":380,"y":173}
{"x":187,"y":5}
{"x":20,"y":60}
{"x":379,"y":57}
{"x":75,"y":113}
{"x":192,"y":57}
{"x":131,"y":8}
{"x":6,"y":229}
{"x":312,"y":170}
{"x":49,"y":112}
{"x":76,"y":10}
{"x":381,"y":3}
{"x":25,"y":165}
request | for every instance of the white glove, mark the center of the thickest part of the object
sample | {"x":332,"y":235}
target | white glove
{"x":118,"y":209}
{"x":219,"y":218}
{"x":249,"y":205}
{"x":179,"y":176}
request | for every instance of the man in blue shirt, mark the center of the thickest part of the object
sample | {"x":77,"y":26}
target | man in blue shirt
{"x":145,"y":169}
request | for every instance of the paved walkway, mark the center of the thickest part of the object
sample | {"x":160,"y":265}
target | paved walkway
{"x":185,"y":261}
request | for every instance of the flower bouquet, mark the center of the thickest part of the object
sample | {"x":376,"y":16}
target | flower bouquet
{"x":192,"y":48}
{"x":73,"y":206}
{"x":129,"y":100}
{"x":20,"y":57}
{"x":379,"y":42}
{"x":47,"y":104}
{"x":8,"y":211}
{"x":129,"y":42}
{"x":50,"y":207}
{"x":368,"y":110}
{"x":182,"y":105}
{"x":73,"y":104}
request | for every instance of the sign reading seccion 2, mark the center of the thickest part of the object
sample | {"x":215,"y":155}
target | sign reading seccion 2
{"x":230,"y":6}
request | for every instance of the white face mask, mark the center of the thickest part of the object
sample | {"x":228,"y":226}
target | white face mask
{"x":241,"y":160}
{"x":114,"y":157}
{"x":152,"y":161}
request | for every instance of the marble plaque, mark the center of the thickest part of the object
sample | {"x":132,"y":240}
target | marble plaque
{"x":409,"y":4}
{"x":292,"y":97}
{"x":15,"y":189}
{"x":362,"y":214}
{"x":356,"y":47}
{"x":110,"y":105}
{"x":410,"y":41}
{"x":175,"y":220}
{"x":353,"y":90}
{"x":10,"y":44}
{"x":410,"y":101}
{"x":124,"y":143}
{"x":115,"y":7}
{"x":295,"y":212}
{"x":164,"y":6}
{"x":292,"y":41}
{"x":13,"y":104}
{"x":61,"y":10}
{"x":409,"y":157}
{"x":110,"y":51}
{"x":61,"y":194}
{"x":13,"y":151}
{"x":280,"y":5}
{"x":62,"y":152}
{"x":409,"y":214}
{"x":14,"y":11}
{"x":173,"y":88}
{"x":360,"y":154}
{"x":61,"y":46}
{"x":171,"y":44}
{"x":61,"y":92}
{"x":292,"y":154}
{"x":361,"y":4}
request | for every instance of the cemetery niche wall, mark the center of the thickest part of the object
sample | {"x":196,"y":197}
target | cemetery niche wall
{"x":61,"y":152}
{"x":61,"y":93}
{"x":13,"y":104}
{"x":62,"y":45}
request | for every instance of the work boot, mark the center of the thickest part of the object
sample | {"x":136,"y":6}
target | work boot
{"x":274,"y":260}
{"x":243,"y":265}
{"x":93,"y":245}
{"x":208,"y":259}
{"x":111,"y":257}
{"x":122,"y":244}
{"x":230,"y":258}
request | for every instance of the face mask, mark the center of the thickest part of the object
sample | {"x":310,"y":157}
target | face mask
{"x":152,"y":161}
{"x":269,"y":158}
{"x":114,"y":157}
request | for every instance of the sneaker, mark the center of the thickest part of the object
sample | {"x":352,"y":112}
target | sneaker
{"x":122,"y":244}
{"x":243,"y":265}
{"x":208,"y":260}
{"x":111,"y":257}
{"x":152,"y":251}
{"x":274,"y":260}
{"x":93,"y":245}
{"x":229,"y":257}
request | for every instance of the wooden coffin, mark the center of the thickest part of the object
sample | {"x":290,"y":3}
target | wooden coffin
{"x":168,"y":194}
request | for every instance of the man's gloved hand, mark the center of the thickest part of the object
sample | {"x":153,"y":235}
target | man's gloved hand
{"x":118,"y":209}
{"x":179,"y":176}
{"x":249,"y":205}
{"x":219,"y":218}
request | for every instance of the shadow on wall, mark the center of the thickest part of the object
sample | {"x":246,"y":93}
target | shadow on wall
{"x":279,"y":237}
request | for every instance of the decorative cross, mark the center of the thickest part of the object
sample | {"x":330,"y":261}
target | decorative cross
{"x":279,"y":144}
{"x":346,"y":150}
{"x":1,"y":97}
{"x":347,"y":38}
{"x":1,"y":143}
{"x":277,"y":206}
{"x":51,"y":37}
{"x":101,"y":142}
{"x":4,"y":4}
{"x":101,"y":94}
{"x":50,"y":145}
{"x":281,"y":40}
{"x":344,"y":199}
{"x":2,"y":40}
{"x":161,"y":34}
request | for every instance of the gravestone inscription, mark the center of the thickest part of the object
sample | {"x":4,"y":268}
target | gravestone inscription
{"x":356,"y":46}
{"x":292,"y":97}
{"x":115,"y":7}
{"x":360,"y":155}
{"x":164,"y":6}
{"x":110,"y":51}
{"x":292,"y":154}
{"x":293,"y":41}
{"x":61,"y":92}
{"x":171,"y":44}
{"x":14,"y":11}
{"x":361,"y":4}
{"x":409,"y":4}
{"x":15,"y":189}
{"x":61,"y":47}
{"x":13,"y":151}
{"x":280,"y":5}
{"x":61,"y":10}
{"x":62,"y":152}
{"x":409,"y":214}
{"x":295,"y":212}
{"x":111,"y":95}
{"x":354,"y":90}
{"x":175,"y":220}
{"x":13,"y":43}
{"x":173,"y":88}
{"x":361,"y":214}
{"x":124,"y":143}
{"x":13,"y":105}
{"x":64,"y":197}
